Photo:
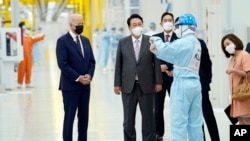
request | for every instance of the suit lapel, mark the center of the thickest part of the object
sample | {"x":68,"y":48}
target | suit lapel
{"x":74,"y":45}
{"x":162,"y":36}
{"x":83,"y":47}
{"x":173,"y":37}
{"x":78,"y":48}
{"x":130,"y":46}
{"x":143,"y":47}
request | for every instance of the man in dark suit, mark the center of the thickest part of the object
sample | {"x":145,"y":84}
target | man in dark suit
{"x":205,"y":73}
{"x":248,"y":47}
{"x":137,"y":78}
{"x":77,"y":64}
{"x":167,"y":22}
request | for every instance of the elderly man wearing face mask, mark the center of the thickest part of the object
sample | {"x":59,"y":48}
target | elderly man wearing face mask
{"x":76,"y":62}
{"x":167,"y":23}
{"x":137,"y":78}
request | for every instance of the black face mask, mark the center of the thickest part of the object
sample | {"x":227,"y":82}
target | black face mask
{"x":79,"y":29}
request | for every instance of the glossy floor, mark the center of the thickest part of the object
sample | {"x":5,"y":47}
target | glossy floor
{"x":36,"y":114}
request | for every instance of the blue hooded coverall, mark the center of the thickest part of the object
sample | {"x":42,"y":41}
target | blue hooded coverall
{"x":104,"y":48}
{"x":114,"y":44}
{"x":185,"y":102}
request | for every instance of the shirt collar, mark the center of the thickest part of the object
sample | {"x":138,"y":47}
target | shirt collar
{"x":140,"y":38}
{"x":170,"y":34}
{"x":72,"y":35}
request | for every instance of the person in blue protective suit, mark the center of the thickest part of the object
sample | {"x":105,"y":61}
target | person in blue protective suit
{"x":96,"y":44}
{"x":104,"y":48}
{"x":120,"y":33}
{"x":185,"y":102}
{"x":152,"y":29}
{"x":36,"y":52}
{"x":114,"y":39}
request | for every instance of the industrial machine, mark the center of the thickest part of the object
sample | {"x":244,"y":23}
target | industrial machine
{"x":11,"y":52}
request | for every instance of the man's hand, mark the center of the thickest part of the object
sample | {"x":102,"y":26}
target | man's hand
{"x":152,"y":48}
{"x":164,"y":68}
{"x":117,"y":90}
{"x":85,"y":79}
{"x":158,"y":87}
{"x":169,"y":73}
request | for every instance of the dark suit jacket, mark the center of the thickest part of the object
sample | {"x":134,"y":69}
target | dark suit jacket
{"x":248,"y":47}
{"x":126,"y":68}
{"x":71,"y":62}
{"x":173,"y":37}
{"x":205,"y":71}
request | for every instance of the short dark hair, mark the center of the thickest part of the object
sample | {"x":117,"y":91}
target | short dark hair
{"x":236,"y":40}
{"x":167,"y":13}
{"x":176,"y":20}
{"x":132,"y":17}
{"x":21,"y":24}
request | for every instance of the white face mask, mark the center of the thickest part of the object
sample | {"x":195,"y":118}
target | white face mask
{"x":182,"y":31}
{"x":230,"y":48}
{"x":26,"y":32}
{"x":137,"y":31}
{"x":178,"y":32}
{"x":168,"y":26}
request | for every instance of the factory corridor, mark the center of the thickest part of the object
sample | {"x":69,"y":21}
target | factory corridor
{"x":36,"y":114}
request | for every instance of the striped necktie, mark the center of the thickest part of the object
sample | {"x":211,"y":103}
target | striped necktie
{"x":137,"y":49}
{"x":167,"y":38}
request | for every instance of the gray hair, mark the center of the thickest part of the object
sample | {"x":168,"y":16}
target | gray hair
{"x":73,"y":16}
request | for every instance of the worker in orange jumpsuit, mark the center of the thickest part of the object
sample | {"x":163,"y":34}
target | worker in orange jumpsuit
{"x":25,"y":66}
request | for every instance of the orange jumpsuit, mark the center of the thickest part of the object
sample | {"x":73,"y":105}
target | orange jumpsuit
{"x":25,"y":66}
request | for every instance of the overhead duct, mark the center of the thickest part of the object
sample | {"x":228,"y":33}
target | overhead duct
{"x":59,"y":8}
{"x":42,"y":9}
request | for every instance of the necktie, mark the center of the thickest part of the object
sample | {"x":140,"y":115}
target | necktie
{"x":79,"y":45}
{"x":167,"y":38}
{"x":137,"y":49}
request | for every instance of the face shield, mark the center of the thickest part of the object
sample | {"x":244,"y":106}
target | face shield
{"x":182,"y":30}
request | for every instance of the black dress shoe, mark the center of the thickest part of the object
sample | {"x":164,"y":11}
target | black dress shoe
{"x":159,"y":138}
